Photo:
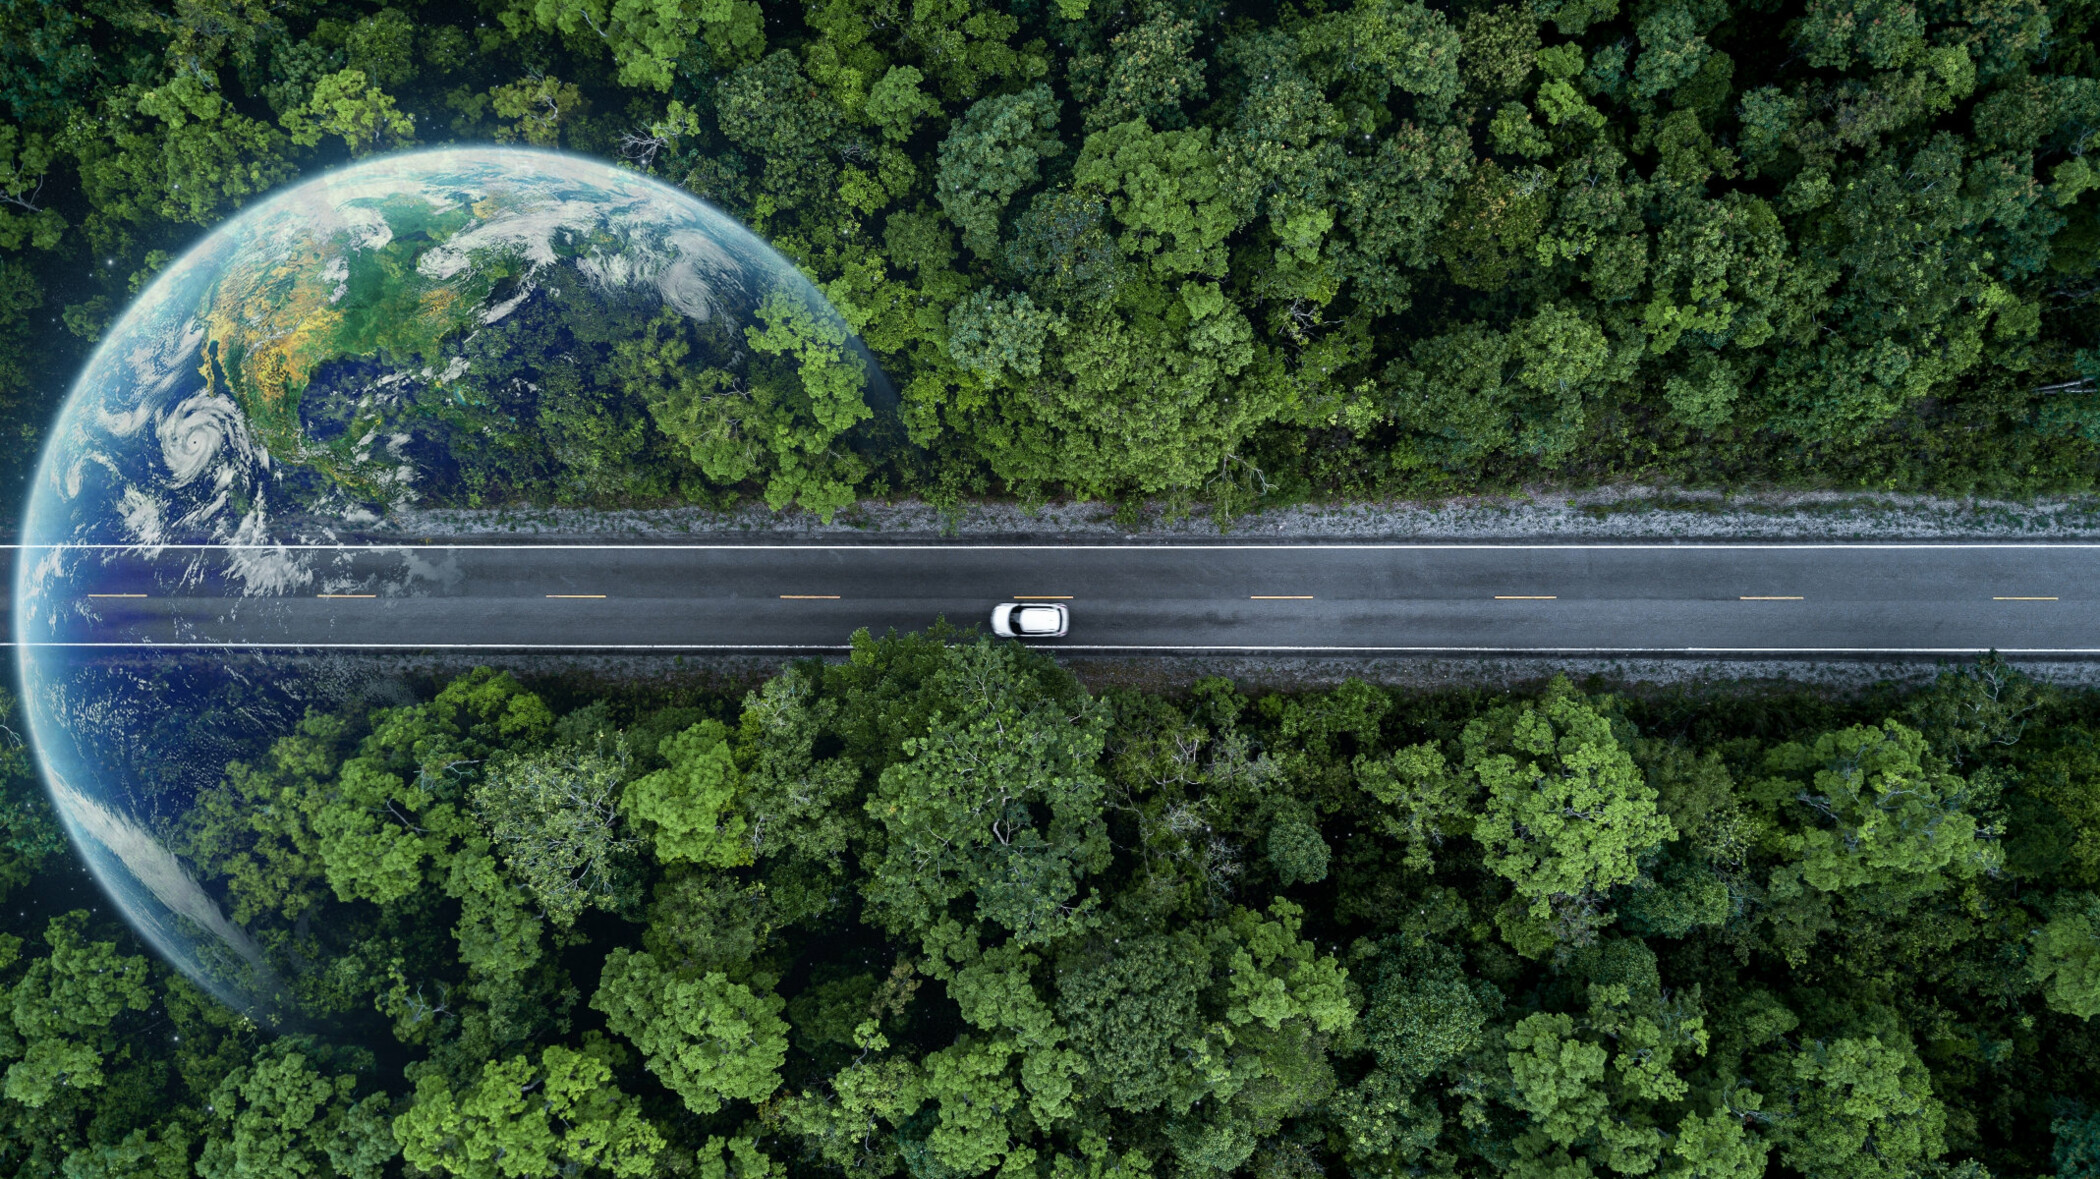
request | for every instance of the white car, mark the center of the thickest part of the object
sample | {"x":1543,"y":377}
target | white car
{"x":1029,"y":620}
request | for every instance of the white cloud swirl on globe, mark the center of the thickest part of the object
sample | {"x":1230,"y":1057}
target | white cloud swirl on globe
{"x":195,"y":430}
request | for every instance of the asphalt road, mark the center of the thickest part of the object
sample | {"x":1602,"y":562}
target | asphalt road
{"x":2039,"y":600}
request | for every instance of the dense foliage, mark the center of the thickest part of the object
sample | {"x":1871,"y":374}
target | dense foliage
{"x":1187,"y":249}
{"x":938,"y":911}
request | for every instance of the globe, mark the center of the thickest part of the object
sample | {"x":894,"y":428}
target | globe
{"x":438,"y":328}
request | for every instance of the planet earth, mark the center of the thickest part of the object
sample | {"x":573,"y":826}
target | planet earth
{"x":445,"y":328}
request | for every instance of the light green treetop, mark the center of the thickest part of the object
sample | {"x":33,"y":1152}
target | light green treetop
{"x":345,"y":104}
{"x":648,"y":37}
{"x":2066,"y":955}
{"x":65,"y":1008}
{"x":708,"y":1039}
{"x":1425,"y":800}
{"x":1887,"y":812}
{"x":1861,"y":1107}
{"x":282,"y":1117}
{"x":691,"y":804}
{"x":1165,"y":189}
{"x":1568,"y":813}
{"x":526,"y":1120}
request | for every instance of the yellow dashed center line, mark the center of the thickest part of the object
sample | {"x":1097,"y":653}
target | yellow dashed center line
{"x":575,"y":595}
{"x":1527,"y":597}
{"x":1042,"y":597}
{"x":1771,"y":598}
{"x":2023,"y":599}
{"x":346,"y":595}
{"x":1279,"y":597}
{"x":811,"y":597}
{"x":116,"y":595}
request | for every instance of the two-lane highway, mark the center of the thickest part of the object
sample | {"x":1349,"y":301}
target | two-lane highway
{"x":1807,"y":599}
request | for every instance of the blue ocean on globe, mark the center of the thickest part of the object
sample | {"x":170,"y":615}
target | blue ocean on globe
{"x":437,"y":328}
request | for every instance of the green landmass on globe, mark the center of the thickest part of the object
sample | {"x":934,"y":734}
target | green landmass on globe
{"x":442,"y":334}
{"x":275,"y":318}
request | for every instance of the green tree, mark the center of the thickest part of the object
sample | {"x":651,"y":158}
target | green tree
{"x":1559,"y":1077}
{"x":1423,"y":1013}
{"x":1476,"y":390}
{"x":1716,"y":1146}
{"x":138,"y":1155}
{"x":1150,"y":72}
{"x":29,"y":830}
{"x":896,"y":103}
{"x":67,"y":1010}
{"x":1379,"y":46}
{"x":1296,"y":849}
{"x":770,"y":109}
{"x":1500,"y":46}
{"x":1133,"y":1015}
{"x":1424,"y":801}
{"x":553,"y":815}
{"x":707,"y":1039}
{"x":1604,"y":1088}
{"x":1157,"y":401}
{"x":382,"y":46}
{"x":344,"y":104}
{"x":1274,"y":976}
{"x":1886,"y":812}
{"x":536,"y":109}
{"x":178,"y":151}
{"x":993,"y":152}
{"x":1390,"y":206}
{"x":521,"y":1118}
{"x":647,"y":38}
{"x":1062,"y":250}
{"x":991,"y":332}
{"x":2066,"y":955}
{"x":1568,"y":813}
{"x":281,"y":1116}
{"x":975,"y":1096}
{"x":824,"y":399}
{"x":1164,"y":189}
{"x":1672,"y":51}
{"x":1860,"y":1106}
{"x":707,"y":412}
{"x":26,"y":160}
{"x":736,"y":1158}
{"x":691,"y":804}
{"x":999,"y":802}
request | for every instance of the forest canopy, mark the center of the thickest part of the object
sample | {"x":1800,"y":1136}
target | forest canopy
{"x":1200,"y":251}
{"x":938,"y":910}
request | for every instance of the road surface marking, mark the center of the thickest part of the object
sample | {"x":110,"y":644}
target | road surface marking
{"x":1771,"y":598}
{"x":575,"y":595}
{"x":1279,"y":597}
{"x":1527,"y":597}
{"x":811,"y":597}
{"x":2023,"y":599}
{"x":116,"y":595}
{"x":346,"y":595}
{"x":1042,"y":597}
